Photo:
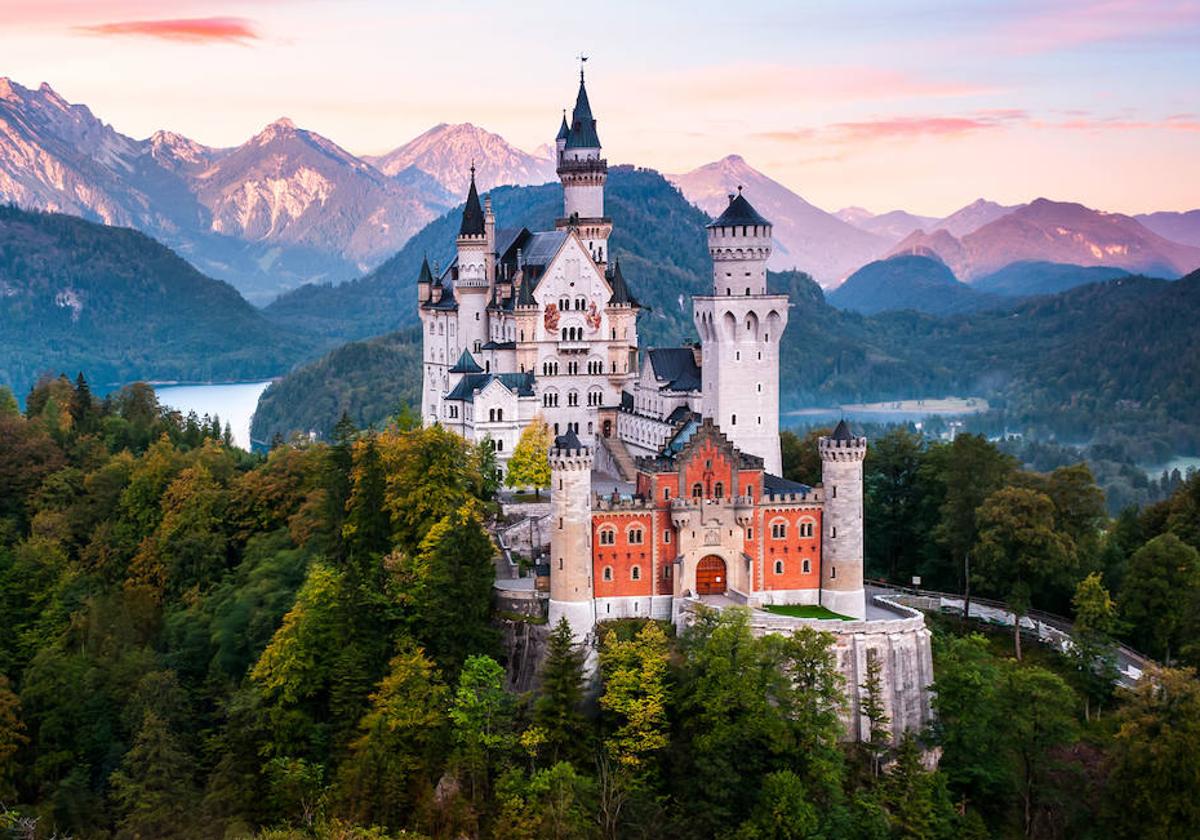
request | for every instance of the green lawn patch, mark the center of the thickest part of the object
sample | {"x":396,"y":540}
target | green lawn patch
{"x":807,"y":611}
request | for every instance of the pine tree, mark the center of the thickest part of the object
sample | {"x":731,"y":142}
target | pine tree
{"x":154,"y":790}
{"x":367,"y":531}
{"x":871,"y":705}
{"x":557,"y":709}
{"x":83,"y":407}
{"x":12,"y":738}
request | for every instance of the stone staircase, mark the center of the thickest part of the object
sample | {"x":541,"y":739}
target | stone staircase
{"x":620,"y":456}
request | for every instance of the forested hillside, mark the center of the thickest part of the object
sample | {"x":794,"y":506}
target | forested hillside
{"x":909,"y":281}
{"x":657,"y":235}
{"x":118,"y":306}
{"x":205,"y":644}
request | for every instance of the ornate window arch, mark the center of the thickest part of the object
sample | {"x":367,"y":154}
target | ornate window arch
{"x":779,"y":528}
{"x":606,"y":574}
{"x":807,"y":526}
{"x":635,"y":534}
{"x":607,"y":535}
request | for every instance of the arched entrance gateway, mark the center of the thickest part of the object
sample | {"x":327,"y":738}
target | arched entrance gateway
{"x":710,"y":576}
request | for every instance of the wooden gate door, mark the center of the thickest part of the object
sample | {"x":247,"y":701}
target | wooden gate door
{"x":710,"y":576}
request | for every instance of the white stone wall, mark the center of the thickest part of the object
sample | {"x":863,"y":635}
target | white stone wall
{"x":740,"y":369}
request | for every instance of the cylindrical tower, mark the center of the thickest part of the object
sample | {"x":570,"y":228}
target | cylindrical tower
{"x":842,"y":457}
{"x":740,"y":328}
{"x":583,"y":172}
{"x":472,"y":282}
{"x":571,"y":535}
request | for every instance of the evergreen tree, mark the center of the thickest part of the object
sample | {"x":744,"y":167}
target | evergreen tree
{"x":12,"y":739}
{"x":529,"y":465}
{"x":480,"y":715}
{"x":83,"y":406}
{"x":367,"y":532}
{"x":871,"y":705}
{"x":154,"y":790}
{"x":448,"y":589}
{"x":557,"y":709}
{"x":1092,"y":648}
{"x":393,"y":761}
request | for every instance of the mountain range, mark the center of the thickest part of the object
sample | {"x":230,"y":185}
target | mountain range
{"x":1055,"y":231}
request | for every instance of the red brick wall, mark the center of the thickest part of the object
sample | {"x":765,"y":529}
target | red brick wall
{"x":792,"y":550}
{"x":621,"y":555}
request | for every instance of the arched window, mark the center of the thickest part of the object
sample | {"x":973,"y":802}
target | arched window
{"x":719,"y":490}
{"x":778,"y":567}
{"x":607,"y":574}
{"x":608,"y":536}
{"x":778,"y":529}
{"x":635,"y":573}
{"x":697,"y":490}
{"x":806,"y":566}
{"x":635,"y":535}
{"x":806,"y":527}
{"x":500,"y":415}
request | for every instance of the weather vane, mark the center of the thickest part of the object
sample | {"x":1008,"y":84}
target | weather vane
{"x":582,"y":60}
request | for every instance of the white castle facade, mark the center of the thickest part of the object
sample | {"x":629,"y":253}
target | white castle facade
{"x":666,"y":490}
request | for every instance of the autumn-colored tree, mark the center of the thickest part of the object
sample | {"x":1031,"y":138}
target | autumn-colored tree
{"x":529,"y":465}
{"x":1092,"y":649}
{"x":634,"y":695}
{"x":1154,"y":777}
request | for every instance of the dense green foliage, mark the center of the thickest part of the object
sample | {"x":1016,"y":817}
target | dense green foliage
{"x":367,"y":381}
{"x":115,"y":304}
{"x":1032,"y":277}
{"x":657,"y":235}
{"x":203,"y":643}
{"x":909,"y":281}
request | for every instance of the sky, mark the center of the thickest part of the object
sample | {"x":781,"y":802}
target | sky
{"x":923,"y":106}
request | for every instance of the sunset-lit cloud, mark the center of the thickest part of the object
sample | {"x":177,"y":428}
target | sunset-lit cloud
{"x":1074,"y":23}
{"x":194,"y":30}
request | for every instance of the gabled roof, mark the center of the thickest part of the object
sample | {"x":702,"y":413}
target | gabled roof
{"x":472,"y":218}
{"x":676,"y":366}
{"x":520,"y":384}
{"x":543,"y":247}
{"x":620,"y":289}
{"x":466,"y":364}
{"x":739,"y":212}
{"x":583,"y":127}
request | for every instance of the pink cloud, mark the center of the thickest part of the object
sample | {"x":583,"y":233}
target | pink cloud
{"x":193,"y":30}
{"x":916,"y":126}
{"x":1083,"y":22}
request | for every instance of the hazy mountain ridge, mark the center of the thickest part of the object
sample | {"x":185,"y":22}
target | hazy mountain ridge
{"x":806,"y":237}
{"x":919,"y":283}
{"x":1060,"y":232}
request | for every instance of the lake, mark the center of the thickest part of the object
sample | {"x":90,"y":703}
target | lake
{"x":233,"y":402}
{"x":892,"y":411}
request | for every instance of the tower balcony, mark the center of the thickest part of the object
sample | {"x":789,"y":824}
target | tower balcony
{"x":568,"y":165}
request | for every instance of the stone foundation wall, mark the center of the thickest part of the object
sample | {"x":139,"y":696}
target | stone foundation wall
{"x":902,"y":645}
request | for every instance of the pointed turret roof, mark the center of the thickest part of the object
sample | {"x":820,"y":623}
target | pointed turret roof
{"x":620,"y":289}
{"x":563,"y":130}
{"x":426,"y":275}
{"x":583,"y":127}
{"x":739,"y":212}
{"x":525,"y":293}
{"x":466,"y":364}
{"x":472,"y":218}
{"x":842,"y":431}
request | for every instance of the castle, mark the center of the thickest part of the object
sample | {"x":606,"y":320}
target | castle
{"x":666,"y":490}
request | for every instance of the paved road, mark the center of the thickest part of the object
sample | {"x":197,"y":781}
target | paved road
{"x":1130,"y":664}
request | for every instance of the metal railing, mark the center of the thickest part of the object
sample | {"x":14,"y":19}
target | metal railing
{"x":1058,"y":622}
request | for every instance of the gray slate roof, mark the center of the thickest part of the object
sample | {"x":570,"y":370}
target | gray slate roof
{"x":520,"y":384}
{"x":676,"y":366}
{"x":739,"y":212}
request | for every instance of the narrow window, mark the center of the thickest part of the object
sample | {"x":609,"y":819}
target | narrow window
{"x":778,"y":567}
{"x":608,"y":572}
{"x":635,"y":573}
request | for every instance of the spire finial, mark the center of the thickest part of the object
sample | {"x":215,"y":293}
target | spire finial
{"x":739,"y":189}
{"x":582,"y":60}
{"x":473,"y":171}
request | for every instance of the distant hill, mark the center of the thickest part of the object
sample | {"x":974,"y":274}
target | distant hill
{"x":894,"y":225}
{"x":899,"y":224}
{"x":367,"y":380}
{"x":1178,"y":227}
{"x":974,"y":216}
{"x":658,"y":236}
{"x":1033,"y":277}
{"x":118,"y":306}
{"x":447,"y":153}
{"x":920,"y":283}
{"x":806,"y":237}
{"x":1060,"y":232}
